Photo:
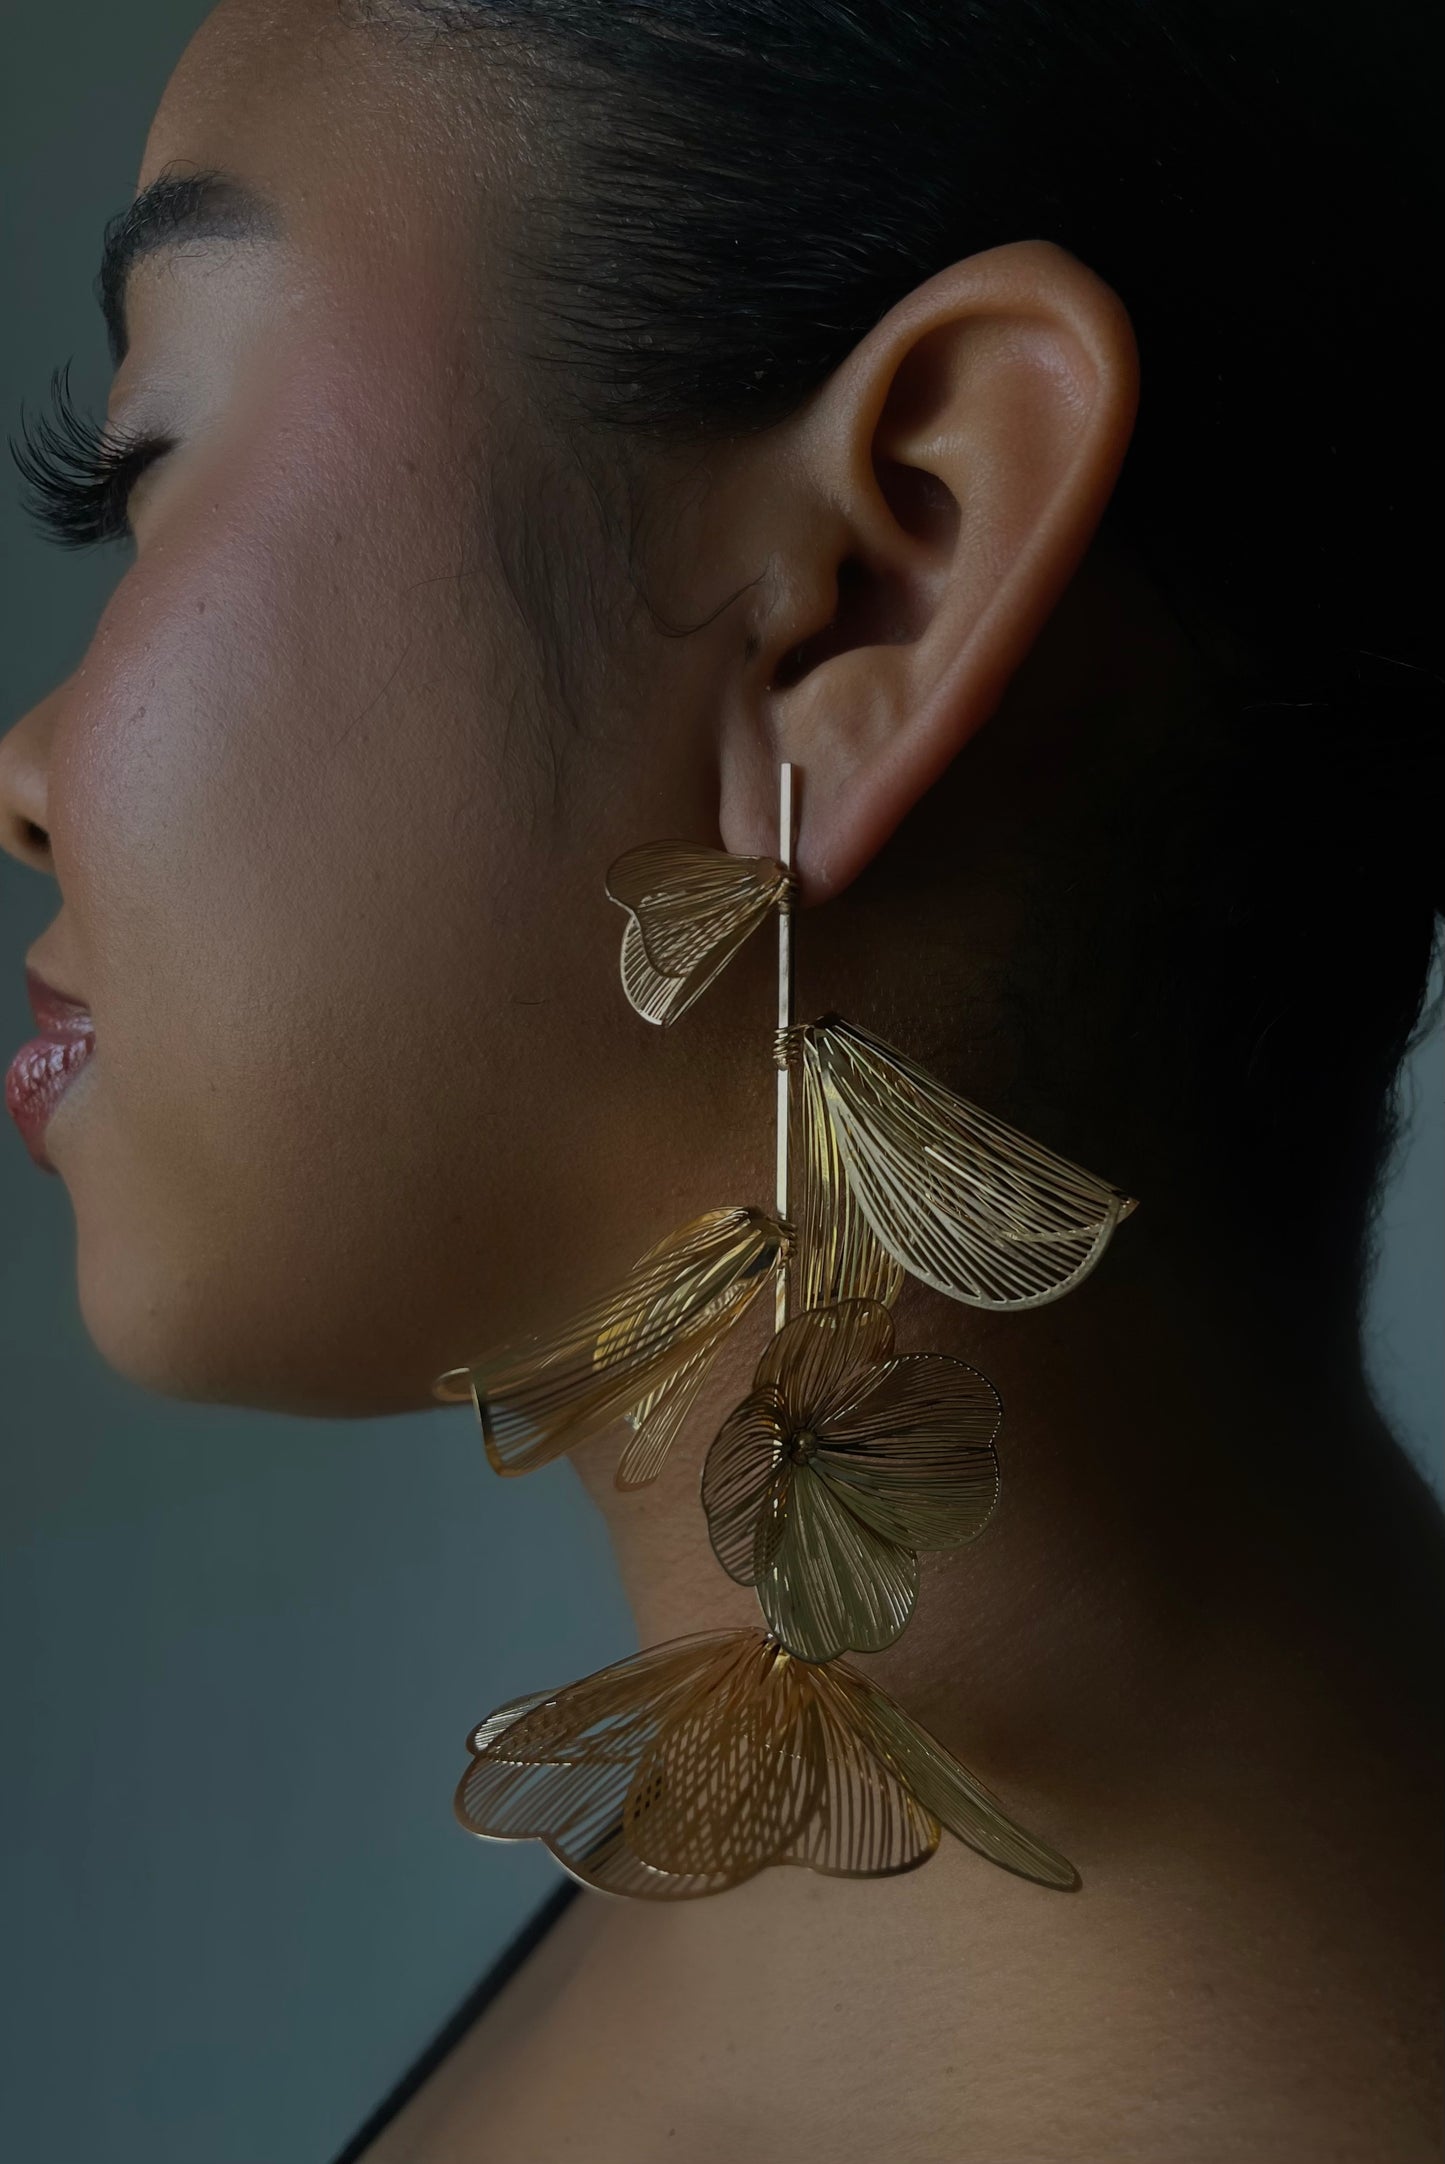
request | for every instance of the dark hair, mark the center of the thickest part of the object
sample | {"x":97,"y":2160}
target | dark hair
{"x":732,"y":192}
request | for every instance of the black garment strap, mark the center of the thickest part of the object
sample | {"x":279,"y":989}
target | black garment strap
{"x":476,"y":2002}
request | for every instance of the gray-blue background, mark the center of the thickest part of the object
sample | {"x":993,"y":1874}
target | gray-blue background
{"x":240,"y":1653}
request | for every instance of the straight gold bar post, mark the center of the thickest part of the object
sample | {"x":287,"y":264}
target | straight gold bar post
{"x":785,"y":1013}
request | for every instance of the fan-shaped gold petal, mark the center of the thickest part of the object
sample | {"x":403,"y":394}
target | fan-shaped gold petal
{"x":486,"y":1732}
{"x":696,"y":1747}
{"x":692,"y":1765}
{"x":837,"y":1255}
{"x":649,"y":993}
{"x":539,"y":1399}
{"x":745,"y":1481}
{"x":610,"y":1865}
{"x":690,"y":908}
{"x":821,"y":1356}
{"x":577,"y":1812}
{"x":956,"y":1799}
{"x":868,"y":1824}
{"x":834,"y":1584}
{"x":912,"y":1455}
{"x":658,"y":1420}
{"x":734,"y":1776}
{"x":611,"y":1715}
{"x":557,"y":1767}
{"x":960,"y":1199}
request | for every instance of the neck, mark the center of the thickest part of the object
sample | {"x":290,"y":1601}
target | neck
{"x":1191,"y":1652}
{"x":1192,"y":1506}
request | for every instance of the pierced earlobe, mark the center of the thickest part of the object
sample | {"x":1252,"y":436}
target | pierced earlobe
{"x":689,"y":909}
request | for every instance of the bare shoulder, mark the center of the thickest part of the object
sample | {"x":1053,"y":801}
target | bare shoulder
{"x":481,"y":2101}
{"x":956,"y":2017}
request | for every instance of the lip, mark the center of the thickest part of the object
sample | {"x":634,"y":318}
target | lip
{"x":44,"y":1068}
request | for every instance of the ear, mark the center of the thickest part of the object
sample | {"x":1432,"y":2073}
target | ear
{"x":932,"y":504}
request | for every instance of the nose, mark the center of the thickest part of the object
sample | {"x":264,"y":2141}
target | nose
{"x":24,"y":760}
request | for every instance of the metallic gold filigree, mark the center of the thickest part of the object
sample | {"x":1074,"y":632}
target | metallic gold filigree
{"x":657,"y":1420}
{"x":836,"y":1253}
{"x":689,"y":909}
{"x":960,"y":1199}
{"x":694,"y":1765}
{"x":640,"y":1349}
{"x":841,"y":1464}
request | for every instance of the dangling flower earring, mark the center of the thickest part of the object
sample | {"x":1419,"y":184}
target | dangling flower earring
{"x":696,"y":1764}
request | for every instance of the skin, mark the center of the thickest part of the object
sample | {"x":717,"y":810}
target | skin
{"x":328,"y":803}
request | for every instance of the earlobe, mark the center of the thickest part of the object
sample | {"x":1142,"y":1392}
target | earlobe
{"x":952,"y":472}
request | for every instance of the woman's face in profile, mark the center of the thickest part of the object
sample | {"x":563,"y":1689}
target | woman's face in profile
{"x":409,"y":654}
{"x":329,"y":835}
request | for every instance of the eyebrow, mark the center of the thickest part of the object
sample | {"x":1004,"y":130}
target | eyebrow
{"x":208,"y":205}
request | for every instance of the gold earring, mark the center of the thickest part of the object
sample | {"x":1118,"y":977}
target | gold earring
{"x":693,"y":1765}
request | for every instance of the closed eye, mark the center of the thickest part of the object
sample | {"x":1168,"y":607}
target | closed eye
{"x":80,"y":475}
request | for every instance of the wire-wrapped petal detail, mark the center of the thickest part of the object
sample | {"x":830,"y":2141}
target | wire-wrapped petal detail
{"x":689,"y":909}
{"x":844,"y":1461}
{"x":837,"y":1254}
{"x":637,"y":1349}
{"x":694,"y":1765}
{"x":657,"y":1421}
{"x":963,"y":1201}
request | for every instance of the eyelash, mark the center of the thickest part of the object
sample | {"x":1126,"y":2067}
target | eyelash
{"x":80,"y":474}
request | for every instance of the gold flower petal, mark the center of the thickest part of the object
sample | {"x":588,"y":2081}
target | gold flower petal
{"x":734,"y":1775}
{"x":827,"y":1580}
{"x":834,"y":1584}
{"x":658,"y":1420}
{"x":826,"y":1480}
{"x":912,"y":1454}
{"x":868,"y":1823}
{"x":819,"y":1358}
{"x":684,"y":1751}
{"x":610,"y":1865}
{"x":744,"y":1485}
{"x":837,"y":1253}
{"x":558,"y":1767}
{"x":962,"y":1200}
{"x":957,"y":1800}
{"x":577,"y":1813}
{"x":486,"y":1732}
{"x":541,"y":1398}
{"x":695,"y":1764}
{"x":689,"y":910}
{"x":608,"y":1717}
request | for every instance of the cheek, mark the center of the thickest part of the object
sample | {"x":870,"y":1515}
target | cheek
{"x":338,"y":959}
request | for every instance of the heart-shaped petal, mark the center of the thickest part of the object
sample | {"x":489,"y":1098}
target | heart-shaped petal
{"x":689,"y":908}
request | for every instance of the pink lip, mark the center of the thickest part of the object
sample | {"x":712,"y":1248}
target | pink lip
{"x":42,"y":1070}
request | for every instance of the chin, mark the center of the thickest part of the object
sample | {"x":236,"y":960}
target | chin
{"x":202,"y":1335}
